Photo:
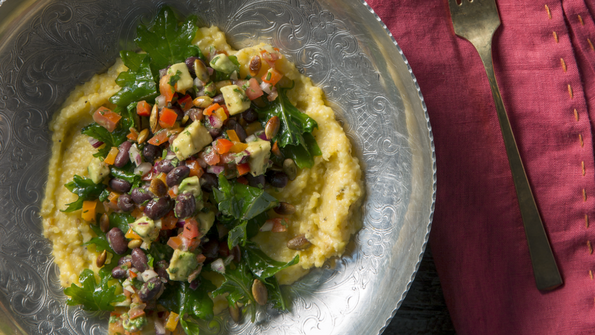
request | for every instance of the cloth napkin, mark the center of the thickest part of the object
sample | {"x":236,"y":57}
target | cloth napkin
{"x":544,"y":59}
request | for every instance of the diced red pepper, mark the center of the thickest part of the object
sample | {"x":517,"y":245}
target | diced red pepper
{"x":272,"y":76}
{"x":222,"y":146}
{"x":195,"y":169}
{"x":166,"y":89}
{"x":243,"y":168}
{"x":185,"y":102}
{"x":174,"y":242}
{"x":133,"y":135}
{"x":211,"y":109}
{"x":106,"y":118}
{"x":159,"y":138}
{"x":143,"y":108}
{"x":253,"y":91}
{"x":167,"y":118}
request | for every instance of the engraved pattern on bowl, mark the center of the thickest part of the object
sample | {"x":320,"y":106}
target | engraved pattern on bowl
{"x":48,"y":47}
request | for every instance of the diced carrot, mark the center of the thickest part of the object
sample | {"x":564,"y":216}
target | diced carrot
{"x":174,"y":242}
{"x":279,"y":225}
{"x":211,"y":109}
{"x":243,"y":168}
{"x":133,"y":135}
{"x":113,"y":198}
{"x":111,"y":156}
{"x":159,"y":138}
{"x":195,"y":169}
{"x":172,"y":321}
{"x":169,"y":221}
{"x":88,"y":213}
{"x":272,"y":76}
{"x":222,"y":146}
{"x":238,"y":147}
{"x":167,"y":118}
{"x":106,"y":118}
{"x":222,"y":114}
{"x":185,"y":102}
{"x":166,"y":89}
{"x":131,"y":235}
{"x":233,"y":136}
{"x":242,"y":180}
{"x":143,"y":108}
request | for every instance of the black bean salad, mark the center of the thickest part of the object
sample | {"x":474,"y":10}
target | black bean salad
{"x":187,"y":152}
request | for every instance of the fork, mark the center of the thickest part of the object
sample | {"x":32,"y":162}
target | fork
{"x":476,"y":21}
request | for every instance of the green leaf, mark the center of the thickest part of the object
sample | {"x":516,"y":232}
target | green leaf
{"x":93,"y":296}
{"x":180,"y":298}
{"x":238,"y":285}
{"x":275,"y":294}
{"x":165,"y":40}
{"x":261,"y":265}
{"x":241,"y":201}
{"x":85,"y":188}
{"x":132,"y":60}
{"x":113,"y":139}
{"x":161,"y":251}
{"x":139,"y":84}
{"x":120,"y":220}
{"x":126,"y":173}
{"x":238,"y":235}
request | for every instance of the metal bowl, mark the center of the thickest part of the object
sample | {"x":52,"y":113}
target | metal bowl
{"x":48,"y":47}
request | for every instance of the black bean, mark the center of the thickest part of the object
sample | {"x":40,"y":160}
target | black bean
{"x":278,"y":179}
{"x":122,"y":158}
{"x":175,"y":176}
{"x":126,"y":203}
{"x":117,"y":240}
{"x":210,"y":181}
{"x":195,"y":114}
{"x":250,"y":115}
{"x":150,"y":289}
{"x":218,"y":99}
{"x":258,"y":181}
{"x":150,"y":152}
{"x":161,"y":269}
{"x":158,"y":208}
{"x":215,"y":132}
{"x":240,"y":132}
{"x":190,"y":65}
{"x":185,"y":205}
{"x":210,"y":250}
{"x":164,"y":166}
{"x":119,"y":273}
{"x":120,"y":185}
{"x":125,"y":259}
{"x":178,"y":111}
{"x":140,"y":195}
{"x":139,"y":260}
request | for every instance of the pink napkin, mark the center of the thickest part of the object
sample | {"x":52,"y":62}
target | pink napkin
{"x":544,"y":58}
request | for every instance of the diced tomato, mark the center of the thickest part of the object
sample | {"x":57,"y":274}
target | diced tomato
{"x":253,"y":91}
{"x":211,"y":158}
{"x":88,"y":213}
{"x":268,"y":57}
{"x":222,"y":146}
{"x":279,"y":225}
{"x":238,"y":147}
{"x":143,"y":108}
{"x":169,"y":221}
{"x":133,"y":135}
{"x":106,"y":118}
{"x":185,"y":102}
{"x":159,"y":138}
{"x":242,"y":180}
{"x":174,"y":242}
{"x":211,"y":109}
{"x":135,"y":313}
{"x":189,"y":244}
{"x":201,"y":258}
{"x":195,"y":169}
{"x":272,"y":76}
{"x":243,"y":168}
{"x":132,"y":274}
{"x":191,"y":229}
{"x":167,"y":118}
{"x":172,"y":193}
{"x":166,"y":89}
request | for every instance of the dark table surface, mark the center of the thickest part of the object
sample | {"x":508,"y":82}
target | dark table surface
{"x":424,"y":310}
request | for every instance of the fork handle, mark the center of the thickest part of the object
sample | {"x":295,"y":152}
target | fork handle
{"x":545,"y":270}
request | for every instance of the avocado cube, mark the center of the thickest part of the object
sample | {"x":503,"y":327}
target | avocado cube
{"x":185,"y":81}
{"x":222,"y":63}
{"x":235,"y":99}
{"x":260,"y":152}
{"x":181,"y":265}
{"x":98,"y":170}
{"x":191,"y":140}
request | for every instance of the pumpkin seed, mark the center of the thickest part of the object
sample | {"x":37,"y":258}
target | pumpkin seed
{"x":203,"y":101}
{"x":201,"y":71}
{"x":135,"y":244}
{"x":235,"y":313}
{"x":298,"y":243}
{"x":272,"y":127}
{"x":290,"y":168}
{"x":154,"y":119}
{"x":158,"y":187}
{"x":101,"y":259}
{"x":104,"y":223}
{"x":254,"y":66}
{"x":259,"y":291}
{"x":284,"y":209}
{"x":143,"y":136}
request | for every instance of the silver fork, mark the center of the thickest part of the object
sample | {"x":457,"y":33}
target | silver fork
{"x":476,"y":21}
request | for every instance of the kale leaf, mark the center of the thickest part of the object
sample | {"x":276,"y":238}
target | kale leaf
{"x":238,"y":285}
{"x":240,"y":201}
{"x":93,"y":296}
{"x":275,"y":294}
{"x":126,"y":173}
{"x":261,"y":265}
{"x":166,"y":41}
{"x":294,"y":136}
{"x":85,"y":188}
{"x":138,"y":83}
{"x":180,"y":298}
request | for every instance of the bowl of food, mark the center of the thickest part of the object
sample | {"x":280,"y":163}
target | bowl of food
{"x":245,"y":167}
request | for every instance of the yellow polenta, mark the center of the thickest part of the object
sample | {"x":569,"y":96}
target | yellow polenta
{"x":325,"y":196}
